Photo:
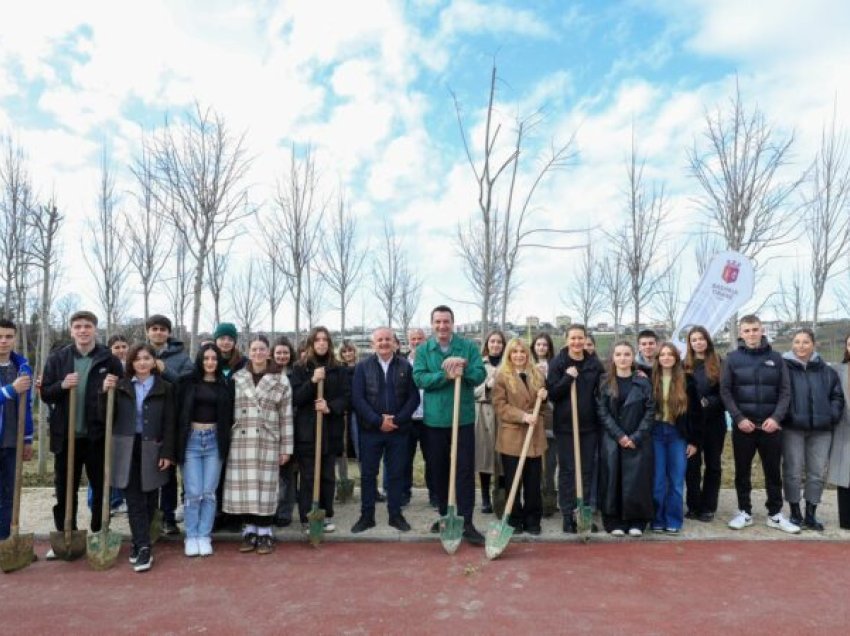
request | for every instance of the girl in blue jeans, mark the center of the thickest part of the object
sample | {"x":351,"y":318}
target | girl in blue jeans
{"x":674,"y":436}
{"x":205,"y":419}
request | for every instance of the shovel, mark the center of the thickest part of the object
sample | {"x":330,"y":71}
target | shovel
{"x":69,"y":544}
{"x":103,"y":546}
{"x":16,"y":552}
{"x":345,"y":487}
{"x":451,"y":526}
{"x":583,"y":512}
{"x":500,"y":532}
{"x":316,"y":516}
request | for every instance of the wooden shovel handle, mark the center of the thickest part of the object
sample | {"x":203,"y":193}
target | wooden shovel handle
{"x":453,"y":456}
{"x":576,"y":445}
{"x":107,"y":458}
{"x":69,"y":457}
{"x":523,"y":454}
{"x":317,"y":469}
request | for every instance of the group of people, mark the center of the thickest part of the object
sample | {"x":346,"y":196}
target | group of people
{"x":649,"y":427}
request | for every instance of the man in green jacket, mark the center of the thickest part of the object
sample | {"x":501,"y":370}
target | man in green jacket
{"x":439,"y":360}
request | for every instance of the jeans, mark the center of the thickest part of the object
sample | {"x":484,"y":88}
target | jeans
{"x":393,"y":448}
{"x":7,"y":490}
{"x":201,"y":470}
{"x":809,"y":448}
{"x":769,"y":448}
{"x":668,"y":484}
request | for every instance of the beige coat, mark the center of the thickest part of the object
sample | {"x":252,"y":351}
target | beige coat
{"x":486,"y":425}
{"x":262,"y":431}
{"x":511,"y":403}
{"x":839,"y":455}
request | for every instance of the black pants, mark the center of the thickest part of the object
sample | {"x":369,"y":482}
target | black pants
{"x":327,"y":483}
{"x":439,"y":442}
{"x":168,"y":496}
{"x":416,"y":438}
{"x":703,"y":486}
{"x":87,"y":453}
{"x":261,"y":521}
{"x":140,"y":504}
{"x":843,"y":508}
{"x":588,"y":446}
{"x":769,"y":448}
{"x":286,"y":492}
{"x":528,"y":504}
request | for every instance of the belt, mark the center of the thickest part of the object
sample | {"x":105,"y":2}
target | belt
{"x":200,"y":426}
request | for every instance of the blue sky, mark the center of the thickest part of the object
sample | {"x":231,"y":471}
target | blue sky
{"x":367,"y":83}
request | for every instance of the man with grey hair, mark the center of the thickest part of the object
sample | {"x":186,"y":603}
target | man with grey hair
{"x":384,"y":396}
{"x":415,"y":337}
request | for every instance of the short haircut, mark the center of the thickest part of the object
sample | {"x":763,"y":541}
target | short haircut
{"x":647,"y":333}
{"x":442,"y":308}
{"x":806,"y":331}
{"x":750,"y":319}
{"x":133,"y":353}
{"x":113,"y":339}
{"x":5,"y":323}
{"x":83,"y":314}
{"x":576,"y":327}
{"x":158,"y":320}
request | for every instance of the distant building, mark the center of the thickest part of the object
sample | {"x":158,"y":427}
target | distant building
{"x":562,"y":322}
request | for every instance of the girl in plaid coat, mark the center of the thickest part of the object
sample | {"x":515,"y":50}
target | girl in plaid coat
{"x":261,"y":442}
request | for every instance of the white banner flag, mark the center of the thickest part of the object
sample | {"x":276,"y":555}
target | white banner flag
{"x":726,"y":285}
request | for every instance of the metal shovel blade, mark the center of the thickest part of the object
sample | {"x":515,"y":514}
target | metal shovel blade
{"x":68,"y":545}
{"x":16,"y":552}
{"x":316,"y":519}
{"x":102,"y":549}
{"x":451,"y":530}
{"x":584,"y":519}
{"x":498,"y":536}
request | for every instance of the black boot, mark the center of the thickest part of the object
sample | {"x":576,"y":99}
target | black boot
{"x":486,"y":504}
{"x":796,"y":515}
{"x":811,"y":522}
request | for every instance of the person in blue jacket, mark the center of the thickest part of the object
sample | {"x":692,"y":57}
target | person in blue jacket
{"x":15,"y":380}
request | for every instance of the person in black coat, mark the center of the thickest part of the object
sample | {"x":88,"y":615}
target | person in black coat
{"x":703,"y":484}
{"x":675,"y":436}
{"x":143,"y":444}
{"x":626,"y":409}
{"x":817,"y":404}
{"x":319,"y":364}
{"x":573,"y":365}
{"x":284,"y":356}
{"x":205,"y":417}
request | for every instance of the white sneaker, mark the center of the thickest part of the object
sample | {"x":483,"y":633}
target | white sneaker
{"x":617,"y":532}
{"x":205,"y":546}
{"x":779,"y":522}
{"x":50,"y":556}
{"x":635,"y":532}
{"x":741,"y":521}
{"x":329,"y":526}
{"x":192,"y":547}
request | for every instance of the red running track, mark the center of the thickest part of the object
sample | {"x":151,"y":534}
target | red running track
{"x":679,"y":587}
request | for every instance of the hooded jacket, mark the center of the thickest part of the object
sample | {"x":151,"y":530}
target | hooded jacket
{"x":8,"y":393}
{"x":176,"y":360}
{"x":817,"y":401}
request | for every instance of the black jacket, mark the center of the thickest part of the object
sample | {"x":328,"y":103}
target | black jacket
{"x":817,"y":401}
{"x":337,"y":395}
{"x":185,"y":405}
{"x":369,"y":393}
{"x":559,"y":384}
{"x":59,"y":364}
{"x":712,"y":414}
{"x":754,"y":384}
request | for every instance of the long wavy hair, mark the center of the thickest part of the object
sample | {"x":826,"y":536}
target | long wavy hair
{"x":611,"y":377}
{"x":712,"y":360}
{"x":545,"y":337}
{"x":535,"y":379}
{"x":485,"y":349}
{"x":310,"y":355}
{"x":677,"y":398}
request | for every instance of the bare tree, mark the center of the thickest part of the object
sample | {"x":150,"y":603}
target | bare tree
{"x":105,"y":242}
{"x":296,"y":226}
{"x":827,"y":206}
{"x":584,"y":294}
{"x":201,"y":168}
{"x":65,"y":306}
{"x":44,"y":256}
{"x":273,"y":278}
{"x":614,"y":285}
{"x":410,"y":289}
{"x":669,"y":296}
{"x":641,"y":237}
{"x":387,"y":268}
{"x":342,"y":259}
{"x":794,"y":298}
{"x":313,"y":297}
{"x":706,"y":248}
{"x":218,"y":259}
{"x":150,"y":236}
{"x":180,"y":285}
{"x":246,"y":298}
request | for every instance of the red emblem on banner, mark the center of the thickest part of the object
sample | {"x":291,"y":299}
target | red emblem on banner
{"x":730,"y":272}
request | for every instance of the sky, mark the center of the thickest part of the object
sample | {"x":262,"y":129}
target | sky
{"x":369,"y":86}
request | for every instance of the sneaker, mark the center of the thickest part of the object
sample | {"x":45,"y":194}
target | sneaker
{"x":534,"y":530}
{"x":741,"y":520}
{"x":265,"y":544}
{"x":657,"y":529}
{"x":51,"y":556}
{"x":691,"y":514}
{"x":399,"y":523}
{"x":192,"y":547}
{"x":144,"y":561}
{"x":672,"y":530}
{"x":329,"y":526}
{"x":249,"y":543}
{"x":169,"y":528}
{"x":779,"y":522}
{"x":472,"y":536}
{"x":282,"y":522}
{"x":706,"y":517}
{"x":134,"y":555}
{"x":305,"y":527}
{"x":120,"y":509}
{"x":569,"y":526}
{"x":363,"y":523}
{"x":205,"y":546}
{"x":635,"y":532}
{"x":618,"y":532}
